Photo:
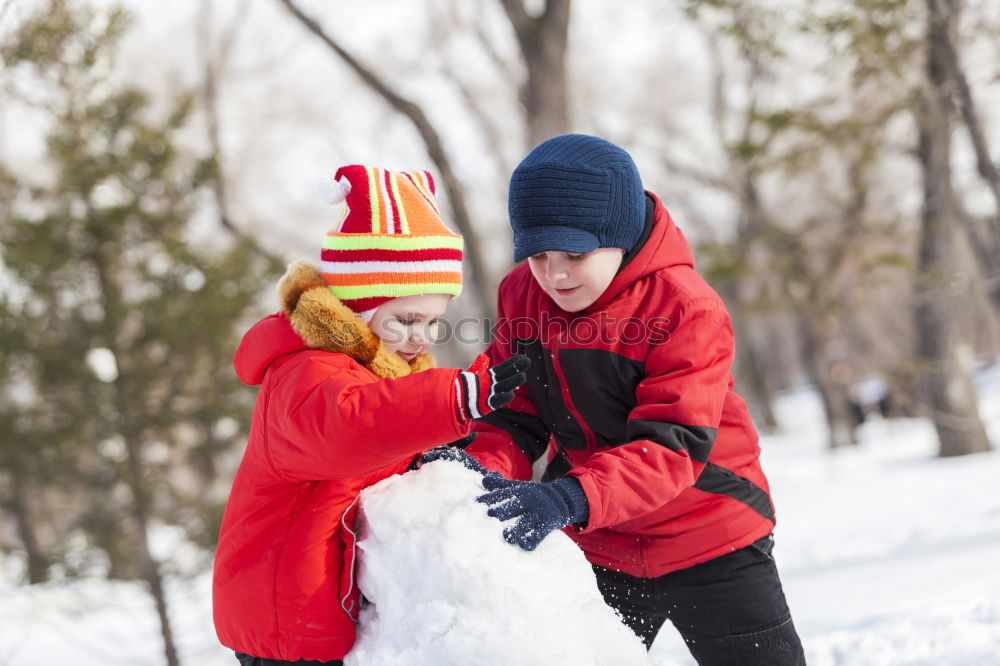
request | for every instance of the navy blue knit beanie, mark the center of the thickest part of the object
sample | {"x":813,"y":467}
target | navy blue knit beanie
{"x":575,"y":193}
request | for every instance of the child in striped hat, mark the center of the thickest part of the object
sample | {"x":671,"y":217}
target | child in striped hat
{"x":390,"y":258}
{"x":345,"y":376}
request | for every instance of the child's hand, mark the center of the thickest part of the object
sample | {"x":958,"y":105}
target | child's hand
{"x":539,"y":508}
{"x":455,"y":454}
{"x":482,"y":389}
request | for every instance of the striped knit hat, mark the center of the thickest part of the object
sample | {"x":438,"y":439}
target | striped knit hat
{"x":390,"y":242}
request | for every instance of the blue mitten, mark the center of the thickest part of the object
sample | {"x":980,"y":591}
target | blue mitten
{"x":539,"y":507}
{"x":455,"y":454}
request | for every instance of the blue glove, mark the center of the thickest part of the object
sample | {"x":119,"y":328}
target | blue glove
{"x":539,"y":507}
{"x":452,"y":453}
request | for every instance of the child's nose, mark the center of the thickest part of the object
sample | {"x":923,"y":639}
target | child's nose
{"x":558,"y":271}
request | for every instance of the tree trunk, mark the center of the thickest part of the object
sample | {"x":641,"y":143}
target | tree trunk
{"x":945,"y":359}
{"x":114,"y":309}
{"x":148,"y":565}
{"x":38,"y":564}
{"x":984,"y":235}
{"x":753,"y":221}
{"x":154,"y":579}
{"x":841,"y":417}
{"x":749,"y":368}
{"x":949,"y":60}
{"x":544,"y":92}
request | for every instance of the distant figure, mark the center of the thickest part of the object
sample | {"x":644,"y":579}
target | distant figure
{"x":655,"y":466}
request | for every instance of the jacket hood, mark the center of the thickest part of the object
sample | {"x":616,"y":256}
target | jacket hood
{"x":313,"y":318}
{"x":665,"y":247}
{"x":266,"y":340}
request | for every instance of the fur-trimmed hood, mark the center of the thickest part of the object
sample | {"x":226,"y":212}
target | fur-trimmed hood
{"x":313,"y":318}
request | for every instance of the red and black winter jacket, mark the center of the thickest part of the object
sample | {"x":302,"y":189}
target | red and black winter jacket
{"x":636,"y":396}
{"x":334,"y":415}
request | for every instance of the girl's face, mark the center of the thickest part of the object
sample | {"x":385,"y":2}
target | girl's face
{"x":408,"y":325}
{"x":575,"y":281}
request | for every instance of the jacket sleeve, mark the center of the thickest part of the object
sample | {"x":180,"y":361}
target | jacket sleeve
{"x":510,"y":439}
{"x":672,"y":429}
{"x":347,"y":425}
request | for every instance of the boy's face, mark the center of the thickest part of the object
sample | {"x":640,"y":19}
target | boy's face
{"x":408,"y":325}
{"x":575,"y":281}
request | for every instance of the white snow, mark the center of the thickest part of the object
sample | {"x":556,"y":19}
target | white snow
{"x":447,"y":589}
{"x":889,"y":558}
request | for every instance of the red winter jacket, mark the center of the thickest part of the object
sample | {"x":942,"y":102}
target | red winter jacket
{"x":324,"y":427}
{"x":636,"y":395}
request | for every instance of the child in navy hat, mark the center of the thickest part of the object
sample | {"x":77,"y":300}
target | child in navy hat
{"x":652,"y":461}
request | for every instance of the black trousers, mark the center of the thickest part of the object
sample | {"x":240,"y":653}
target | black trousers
{"x":731,"y":611}
{"x":247,"y":660}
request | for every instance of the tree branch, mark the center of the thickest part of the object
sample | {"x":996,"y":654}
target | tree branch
{"x":966,"y":104}
{"x":213,"y":65}
{"x":519,"y":18}
{"x":502,"y":66}
{"x":484,"y":284}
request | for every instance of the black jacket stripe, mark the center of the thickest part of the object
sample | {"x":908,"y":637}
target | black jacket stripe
{"x":602,"y":386}
{"x":720,"y":481}
{"x":696,"y":440}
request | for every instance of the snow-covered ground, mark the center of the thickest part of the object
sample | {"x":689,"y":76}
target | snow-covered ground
{"x":889,"y":555}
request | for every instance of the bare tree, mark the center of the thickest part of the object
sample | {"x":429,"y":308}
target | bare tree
{"x":945,"y":356}
{"x":459,"y":20}
{"x":484,"y":283}
{"x":738,"y":179}
{"x":752,"y":222}
{"x":741,"y":139}
{"x":985,"y":236}
{"x":544,"y":91}
{"x":215,"y":62}
{"x":813,"y":259}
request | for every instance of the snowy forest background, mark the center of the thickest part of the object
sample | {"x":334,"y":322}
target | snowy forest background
{"x":834,"y":163}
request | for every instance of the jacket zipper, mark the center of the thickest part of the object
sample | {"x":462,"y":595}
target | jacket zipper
{"x":354,"y":548}
{"x":563,"y":388}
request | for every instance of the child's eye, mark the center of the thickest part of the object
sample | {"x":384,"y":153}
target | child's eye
{"x":538,"y":257}
{"x":406,"y":322}
{"x":576,"y":257}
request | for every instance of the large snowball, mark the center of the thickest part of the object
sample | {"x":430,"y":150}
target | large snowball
{"x":445,"y":588}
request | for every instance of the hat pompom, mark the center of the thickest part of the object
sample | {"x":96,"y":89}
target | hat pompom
{"x":335,"y":191}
